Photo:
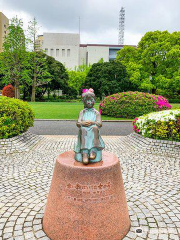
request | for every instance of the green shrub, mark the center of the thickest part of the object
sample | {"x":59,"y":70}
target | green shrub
{"x":16,"y":117}
{"x":174,"y":100}
{"x":162,"y":125}
{"x":132,"y":104}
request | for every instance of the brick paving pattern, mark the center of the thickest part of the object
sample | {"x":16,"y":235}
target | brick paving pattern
{"x":152,"y":185}
{"x":21,"y":143}
{"x":150,"y":145}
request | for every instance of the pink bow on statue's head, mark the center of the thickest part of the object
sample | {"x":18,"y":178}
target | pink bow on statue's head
{"x":91,"y":90}
{"x":88,"y":90}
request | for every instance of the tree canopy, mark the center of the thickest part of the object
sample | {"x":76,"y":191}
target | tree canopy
{"x":107,"y":78}
{"x":155,"y":64}
{"x":77,"y":77}
{"x":59,"y":75}
{"x":26,"y":66}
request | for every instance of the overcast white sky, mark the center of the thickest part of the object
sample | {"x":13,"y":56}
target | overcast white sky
{"x":99,"y":18}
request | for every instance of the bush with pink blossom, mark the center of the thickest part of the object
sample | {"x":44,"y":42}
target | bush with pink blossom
{"x":132,"y":104}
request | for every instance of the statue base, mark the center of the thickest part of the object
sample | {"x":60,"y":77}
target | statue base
{"x":86,"y":202}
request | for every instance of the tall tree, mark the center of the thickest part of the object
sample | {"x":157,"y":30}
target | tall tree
{"x":155,"y":64}
{"x":130,"y":58}
{"x":107,"y":78}
{"x":59,"y":75}
{"x":38,"y":65}
{"x":14,"y":56}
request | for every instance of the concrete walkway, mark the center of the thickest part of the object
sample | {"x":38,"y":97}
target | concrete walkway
{"x":46,"y":127}
{"x":151,"y":182}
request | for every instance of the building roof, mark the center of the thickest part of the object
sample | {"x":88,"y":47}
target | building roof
{"x":105,"y":45}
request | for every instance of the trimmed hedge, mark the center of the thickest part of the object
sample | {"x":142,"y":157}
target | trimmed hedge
{"x":132,"y":104}
{"x":163,"y":125}
{"x":16,"y":117}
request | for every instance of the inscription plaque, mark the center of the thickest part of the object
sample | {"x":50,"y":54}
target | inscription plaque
{"x":88,"y":193}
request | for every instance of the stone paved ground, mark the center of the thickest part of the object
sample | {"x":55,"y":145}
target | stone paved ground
{"x":152,"y":184}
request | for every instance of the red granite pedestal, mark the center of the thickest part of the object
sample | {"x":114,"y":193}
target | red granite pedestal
{"x":86,"y":202}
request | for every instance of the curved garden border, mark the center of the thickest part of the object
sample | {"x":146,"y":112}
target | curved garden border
{"x":154,"y":146}
{"x":18,"y":144}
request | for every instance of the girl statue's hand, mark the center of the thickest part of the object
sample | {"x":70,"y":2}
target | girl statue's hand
{"x":87,"y":123}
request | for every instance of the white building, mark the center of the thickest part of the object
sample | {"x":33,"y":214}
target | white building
{"x":66,"y":48}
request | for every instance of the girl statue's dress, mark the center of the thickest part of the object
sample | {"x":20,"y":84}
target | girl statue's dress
{"x":89,"y":139}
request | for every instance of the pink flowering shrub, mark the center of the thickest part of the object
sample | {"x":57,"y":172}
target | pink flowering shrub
{"x":132,"y":104}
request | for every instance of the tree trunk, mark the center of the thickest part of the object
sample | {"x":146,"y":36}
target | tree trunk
{"x":33,"y":97}
{"x":17,"y":90}
{"x":153,"y":91}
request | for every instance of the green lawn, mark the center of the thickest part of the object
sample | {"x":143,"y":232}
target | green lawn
{"x":61,"y":110}
{"x":175,"y":105}
{"x":65,"y":110}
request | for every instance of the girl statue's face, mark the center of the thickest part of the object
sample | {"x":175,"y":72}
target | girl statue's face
{"x":89,"y":102}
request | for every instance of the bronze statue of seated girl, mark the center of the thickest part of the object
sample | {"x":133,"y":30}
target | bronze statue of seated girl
{"x":89,"y":144}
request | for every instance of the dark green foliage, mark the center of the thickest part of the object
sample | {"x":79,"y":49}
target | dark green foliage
{"x":132,"y":104}
{"x":59,"y":75}
{"x":176,"y":100}
{"x":107,"y":78}
{"x":1,"y":79}
{"x":59,"y":79}
{"x":52,"y":70}
{"x":38,"y":71}
{"x":16,"y":117}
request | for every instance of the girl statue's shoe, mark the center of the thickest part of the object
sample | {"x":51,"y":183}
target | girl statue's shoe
{"x":92,"y":155}
{"x":85,"y":159}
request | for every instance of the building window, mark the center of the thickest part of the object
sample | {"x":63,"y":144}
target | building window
{"x":68,"y":52}
{"x":4,"y":32}
{"x":63,"y":52}
{"x":57,"y":52}
{"x":46,"y":50}
{"x":5,"y":25}
{"x":52,"y":52}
